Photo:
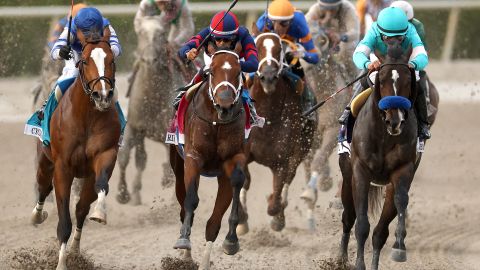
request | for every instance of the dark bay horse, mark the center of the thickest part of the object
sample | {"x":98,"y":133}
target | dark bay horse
{"x":284,"y":142}
{"x":149,"y":109}
{"x":214,"y":144}
{"x":383,"y":152}
{"x":85,"y":132}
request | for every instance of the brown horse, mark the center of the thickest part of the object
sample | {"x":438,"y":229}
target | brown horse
{"x":214,"y":143}
{"x":286,"y":138}
{"x":383,"y":152}
{"x":85,"y":132}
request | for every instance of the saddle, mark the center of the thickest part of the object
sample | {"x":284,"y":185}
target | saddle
{"x":359,"y":101}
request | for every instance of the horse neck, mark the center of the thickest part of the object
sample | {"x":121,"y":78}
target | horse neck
{"x":271,"y":106}
{"x":81,"y":103}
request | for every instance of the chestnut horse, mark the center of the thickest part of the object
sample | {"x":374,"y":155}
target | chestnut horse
{"x":214,"y":144}
{"x":287,"y":137}
{"x":85,"y":132}
{"x":383,"y":152}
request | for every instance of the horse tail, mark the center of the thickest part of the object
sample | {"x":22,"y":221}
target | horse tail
{"x":375,"y":201}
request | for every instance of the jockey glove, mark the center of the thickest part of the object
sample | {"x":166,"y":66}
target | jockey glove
{"x":65,"y":52}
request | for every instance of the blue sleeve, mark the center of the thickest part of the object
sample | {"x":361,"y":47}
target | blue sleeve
{"x":261,"y":22}
{"x":361,"y":55}
{"x":300,"y":30}
{"x":249,"y":53}
{"x":194,"y":42}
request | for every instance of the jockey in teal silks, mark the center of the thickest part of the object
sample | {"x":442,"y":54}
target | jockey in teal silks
{"x":88,"y":20}
{"x":282,"y":19}
{"x":392,"y":24}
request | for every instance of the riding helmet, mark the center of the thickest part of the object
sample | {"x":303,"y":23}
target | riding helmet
{"x":392,"y":21}
{"x":281,"y":10}
{"x":405,"y":6}
{"x":329,"y":4}
{"x":228,"y":28}
{"x":89,"y":19}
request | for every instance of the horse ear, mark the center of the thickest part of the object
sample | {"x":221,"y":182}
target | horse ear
{"x":106,"y":34}
{"x":238,"y":48}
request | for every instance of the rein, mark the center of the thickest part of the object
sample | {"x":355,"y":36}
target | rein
{"x":86,"y":85}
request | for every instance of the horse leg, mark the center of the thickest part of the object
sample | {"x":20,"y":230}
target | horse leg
{"x":320,"y":162}
{"x":168,"y":175}
{"x":44,"y":187}
{"x":103,"y":165}
{"x":361,"y":183}
{"x":87,"y":197}
{"x":242,"y":227}
{"x":401,"y":180}
{"x":63,"y":181}
{"x":140,"y":163}
{"x":191,"y":182}
{"x":348,"y":215}
{"x":123,"y":196}
{"x":234,"y":169}
{"x":380,"y":233}
{"x":224,"y":197}
{"x":177,"y":164}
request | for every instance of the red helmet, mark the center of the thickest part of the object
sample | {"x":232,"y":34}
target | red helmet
{"x":228,"y":28}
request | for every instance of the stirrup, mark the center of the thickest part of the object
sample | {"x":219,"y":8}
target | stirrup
{"x":424,"y":132}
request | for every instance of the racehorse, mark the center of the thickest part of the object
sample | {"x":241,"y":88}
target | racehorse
{"x":149,"y":109}
{"x":383,"y":152}
{"x":287,"y":137}
{"x":214,"y":144}
{"x":85,"y":133}
{"x":324,"y":79}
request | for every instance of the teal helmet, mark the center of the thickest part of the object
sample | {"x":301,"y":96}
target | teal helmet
{"x":392,"y":21}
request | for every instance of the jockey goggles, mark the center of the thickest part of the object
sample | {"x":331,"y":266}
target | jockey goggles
{"x":398,"y":38}
{"x":283,"y":23}
{"x":224,"y":39}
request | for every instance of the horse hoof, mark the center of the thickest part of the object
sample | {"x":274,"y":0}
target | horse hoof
{"x":311,"y":225}
{"x":75,"y":247}
{"x":242,"y":229}
{"x":277,"y":224}
{"x":230,"y":248}
{"x":309,"y":195}
{"x":183,"y":243}
{"x":38,"y":217}
{"x":326,"y":184}
{"x":99,"y":216}
{"x":136,"y":199}
{"x":123,"y":197}
{"x":399,"y":255}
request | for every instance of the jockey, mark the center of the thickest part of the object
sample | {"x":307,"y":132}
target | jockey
{"x":392,"y":23}
{"x":61,"y":24}
{"x":226,"y":35}
{"x":174,"y":14}
{"x":341,"y":25}
{"x":369,"y":9}
{"x":288,"y":23}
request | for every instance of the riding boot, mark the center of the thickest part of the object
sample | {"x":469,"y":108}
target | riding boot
{"x":255,"y":120}
{"x":421,"y":111}
{"x":308,"y":101}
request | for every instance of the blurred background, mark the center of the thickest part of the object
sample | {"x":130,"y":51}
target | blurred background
{"x":452,"y":27}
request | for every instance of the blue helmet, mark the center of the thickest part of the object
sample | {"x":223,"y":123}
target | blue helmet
{"x":392,"y":21}
{"x":89,"y":19}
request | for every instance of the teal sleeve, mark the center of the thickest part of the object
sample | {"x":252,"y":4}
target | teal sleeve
{"x":419,"y":57}
{"x":361,"y":55}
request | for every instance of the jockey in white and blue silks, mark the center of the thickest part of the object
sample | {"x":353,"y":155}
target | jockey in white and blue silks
{"x":392,"y":24}
{"x":88,"y":20}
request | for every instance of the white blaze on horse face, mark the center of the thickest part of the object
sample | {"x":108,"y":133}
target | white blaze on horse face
{"x":395,"y":77}
{"x":268,"y":44}
{"x":226,"y":66}
{"x":98,"y":56}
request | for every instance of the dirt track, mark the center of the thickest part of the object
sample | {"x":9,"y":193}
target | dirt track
{"x":443,"y":232}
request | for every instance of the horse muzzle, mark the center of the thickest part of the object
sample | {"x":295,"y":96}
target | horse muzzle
{"x":269,"y":83}
{"x":395,"y":121}
{"x":224,"y":113}
{"x":103,"y":99}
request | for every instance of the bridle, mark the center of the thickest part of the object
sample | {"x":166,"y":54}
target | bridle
{"x":269,"y":58}
{"x":212,"y":90}
{"x":88,"y":85}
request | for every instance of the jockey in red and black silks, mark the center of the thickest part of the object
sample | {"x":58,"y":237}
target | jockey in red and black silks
{"x":224,"y":37}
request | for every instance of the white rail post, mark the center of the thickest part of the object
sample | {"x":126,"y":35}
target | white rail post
{"x":450,"y":36}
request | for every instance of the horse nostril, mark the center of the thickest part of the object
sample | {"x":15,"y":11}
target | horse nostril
{"x":262,"y":77}
{"x":110,"y":94}
{"x":95,"y":95}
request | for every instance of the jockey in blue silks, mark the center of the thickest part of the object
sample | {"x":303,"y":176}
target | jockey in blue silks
{"x":282,"y":19}
{"x":392,"y":24}
{"x":224,"y":37}
{"x":89,"y":21}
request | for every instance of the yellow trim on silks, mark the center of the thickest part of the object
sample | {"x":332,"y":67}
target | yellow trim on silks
{"x":306,"y":38}
{"x":292,"y":46}
{"x":281,"y":10}
{"x":359,"y":101}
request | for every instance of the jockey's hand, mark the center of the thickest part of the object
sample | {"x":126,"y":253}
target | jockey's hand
{"x":333,"y":36}
{"x":374,"y":66}
{"x":65,"y":52}
{"x":192,"y":54}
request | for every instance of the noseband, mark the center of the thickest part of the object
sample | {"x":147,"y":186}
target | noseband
{"x":269,"y":58}
{"x":213,"y":90}
{"x":88,"y":85}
